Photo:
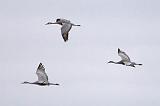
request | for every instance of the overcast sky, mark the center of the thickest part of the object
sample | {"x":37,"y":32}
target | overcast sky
{"x":80,"y":65}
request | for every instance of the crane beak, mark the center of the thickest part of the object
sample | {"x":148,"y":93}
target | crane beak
{"x":47,"y":23}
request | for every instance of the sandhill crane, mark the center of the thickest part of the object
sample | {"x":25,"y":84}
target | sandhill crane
{"x":125,"y":59}
{"x":42,"y":77}
{"x":66,"y":27}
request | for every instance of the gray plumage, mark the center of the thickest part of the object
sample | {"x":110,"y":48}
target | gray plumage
{"x":66,"y":27}
{"x":125,"y":60}
{"x":42,"y":77}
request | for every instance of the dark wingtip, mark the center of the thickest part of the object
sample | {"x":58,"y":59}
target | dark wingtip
{"x":65,"y":37}
{"x":40,"y":65}
{"x":65,"y":40}
{"x":119,"y":50}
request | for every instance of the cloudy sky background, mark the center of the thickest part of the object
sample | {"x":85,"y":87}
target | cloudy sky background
{"x":80,"y":65}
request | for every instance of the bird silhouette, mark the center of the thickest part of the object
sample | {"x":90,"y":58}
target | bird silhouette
{"x":66,"y":27}
{"x":42,"y":77}
{"x":125,"y":60}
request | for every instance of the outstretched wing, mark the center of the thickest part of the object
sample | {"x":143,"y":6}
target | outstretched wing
{"x":65,"y":30}
{"x":42,"y":76}
{"x":65,"y":21}
{"x":123,"y":55}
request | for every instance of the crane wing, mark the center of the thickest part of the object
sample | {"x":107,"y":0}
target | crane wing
{"x":65,"y":30}
{"x":123,"y":55}
{"x":65,"y":21}
{"x":42,"y":76}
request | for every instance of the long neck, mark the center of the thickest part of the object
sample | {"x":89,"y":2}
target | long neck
{"x":26,"y":82}
{"x":53,"y":23}
{"x":120,"y":62}
{"x":112,"y":62}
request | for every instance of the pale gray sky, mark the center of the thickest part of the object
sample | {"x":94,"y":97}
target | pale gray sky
{"x":80,"y":65}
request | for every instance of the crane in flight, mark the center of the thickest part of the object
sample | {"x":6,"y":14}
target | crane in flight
{"x":125,"y":60}
{"x":42,"y":77}
{"x":66,"y":27}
